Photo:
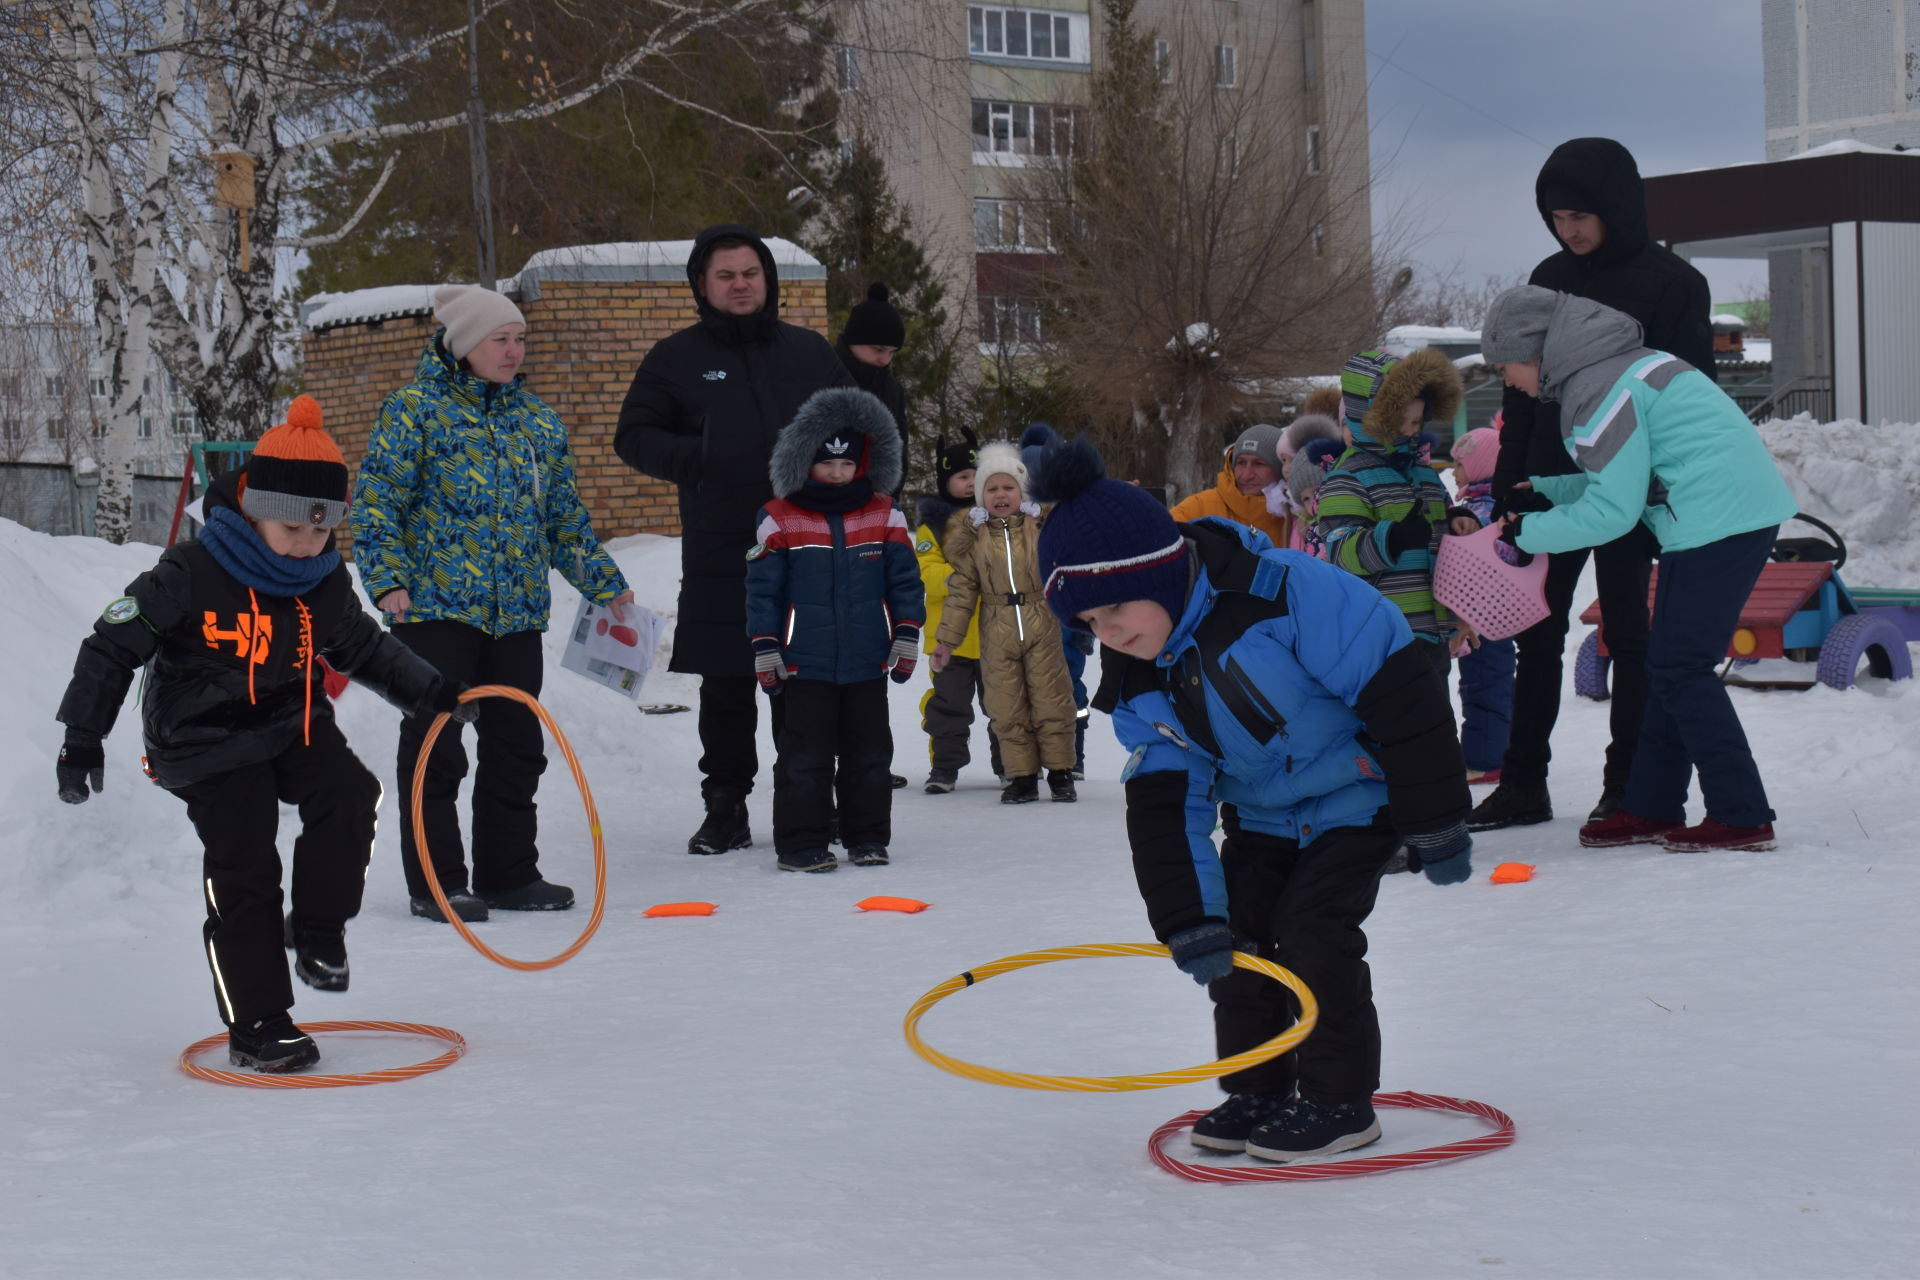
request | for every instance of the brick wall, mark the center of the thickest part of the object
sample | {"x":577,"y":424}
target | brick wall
{"x":584,"y":340}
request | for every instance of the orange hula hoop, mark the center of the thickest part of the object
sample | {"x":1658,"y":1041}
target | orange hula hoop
{"x":586,"y":798}
{"x":293,"y":1080}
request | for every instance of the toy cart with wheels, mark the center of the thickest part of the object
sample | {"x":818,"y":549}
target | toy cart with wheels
{"x":1800,"y":610}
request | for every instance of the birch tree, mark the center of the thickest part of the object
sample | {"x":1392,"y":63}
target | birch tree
{"x":126,"y":102}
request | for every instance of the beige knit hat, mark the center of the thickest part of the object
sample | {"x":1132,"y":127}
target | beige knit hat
{"x":470,"y":314}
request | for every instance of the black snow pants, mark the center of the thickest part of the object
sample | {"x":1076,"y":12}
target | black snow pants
{"x":835,"y":742}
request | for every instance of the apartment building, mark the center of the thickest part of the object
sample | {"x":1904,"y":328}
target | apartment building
{"x":959,"y":98}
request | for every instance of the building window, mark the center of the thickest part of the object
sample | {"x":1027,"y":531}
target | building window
{"x":1313,"y":148}
{"x":9,"y":429}
{"x":1011,"y":226}
{"x":1230,"y":156}
{"x":56,"y":429}
{"x":1001,"y":32}
{"x":1009,"y":322}
{"x":1163,"y":60}
{"x":1319,"y":238}
{"x":97,"y":388}
{"x":1022,"y":128}
{"x":1225,"y":70}
{"x":56,"y":386}
{"x":1310,"y":60}
{"x":847,"y":68}
{"x":146,"y":426}
{"x":185,"y":423}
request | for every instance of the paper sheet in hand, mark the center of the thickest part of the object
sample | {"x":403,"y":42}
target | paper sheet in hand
{"x":614,"y":652}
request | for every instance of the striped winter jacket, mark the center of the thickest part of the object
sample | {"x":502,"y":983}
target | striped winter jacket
{"x":831,"y":587}
{"x":466,"y":497}
{"x":1368,"y":490}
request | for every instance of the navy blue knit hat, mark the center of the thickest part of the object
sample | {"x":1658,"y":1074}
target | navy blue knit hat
{"x":1104,"y":542}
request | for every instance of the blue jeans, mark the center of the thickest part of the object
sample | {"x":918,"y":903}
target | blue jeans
{"x":1690,"y":722}
{"x":1486,"y":703}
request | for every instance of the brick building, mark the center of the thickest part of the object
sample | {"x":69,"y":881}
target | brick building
{"x":592,"y":313}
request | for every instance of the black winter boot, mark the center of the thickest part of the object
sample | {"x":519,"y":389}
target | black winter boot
{"x":319,"y":956}
{"x":1080,"y":747}
{"x":1060,"y":785}
{"x":1225,"y":1128}
{"x":540,"y":895}
{"x":1610,"y":798}
{"x":1511,"y":805}
{"x":725,"y":827}
{"x":1310,"y":1128}
{"x":272,"y":1046}
{"x":1021,"y":790}
{"x":469,"y":908}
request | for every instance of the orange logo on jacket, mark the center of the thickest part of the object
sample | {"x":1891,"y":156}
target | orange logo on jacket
{"x":251,"y":634}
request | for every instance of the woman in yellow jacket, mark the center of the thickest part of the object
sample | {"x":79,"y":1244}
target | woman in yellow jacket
{"x":946,"y":710}
{"x":1029,"y":696}
{"x":1251,"y":467}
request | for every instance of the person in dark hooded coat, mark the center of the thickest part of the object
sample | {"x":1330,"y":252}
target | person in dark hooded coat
{"x":1590,"y":195}
{"x":703,"y":412}
{"x":867,"y":347}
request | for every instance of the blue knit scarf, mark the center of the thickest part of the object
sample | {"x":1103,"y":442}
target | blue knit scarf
{"x":238,"y":548}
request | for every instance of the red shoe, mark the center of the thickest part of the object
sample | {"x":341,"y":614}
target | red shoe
{"x":1483,"y":777}
{"x":1712,"y":837}
{"x":1621,"y":828}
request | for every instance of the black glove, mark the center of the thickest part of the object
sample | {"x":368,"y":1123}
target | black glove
{"x":1510,"y":534}
{"x":446,"y":697}
{"x":1524,"y":500}
{"x":81,"y":761}
{"x":1204,"y":952}
{"x":1411,"y":532}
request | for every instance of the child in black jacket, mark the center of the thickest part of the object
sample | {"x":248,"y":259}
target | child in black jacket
{"x":236,"y":721}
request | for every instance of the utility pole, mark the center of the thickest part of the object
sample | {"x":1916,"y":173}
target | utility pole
{"x":477,"y":153}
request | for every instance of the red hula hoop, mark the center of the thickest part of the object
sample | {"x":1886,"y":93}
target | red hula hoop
{"x":1502,"y":1136}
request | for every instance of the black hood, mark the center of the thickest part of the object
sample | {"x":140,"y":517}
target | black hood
{"x":1598,"y":176}
{"x":734,"y":328}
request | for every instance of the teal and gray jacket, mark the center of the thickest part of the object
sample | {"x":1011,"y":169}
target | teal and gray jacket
{"x":466,"y":497}
{"x":1655,"y":440}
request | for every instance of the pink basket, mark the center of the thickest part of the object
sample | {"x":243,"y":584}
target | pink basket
{"x":1495,"y":598}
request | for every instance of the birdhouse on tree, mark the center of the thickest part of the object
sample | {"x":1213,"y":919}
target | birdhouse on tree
{"x":233,"y":189}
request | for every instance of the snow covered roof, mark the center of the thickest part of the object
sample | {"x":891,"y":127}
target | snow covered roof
{"x":363,"y":306}
{"x":1728,"y":318}
{"x":1846,"y":147}
{"x":647,"y":260}
{"x":1404,"y":339}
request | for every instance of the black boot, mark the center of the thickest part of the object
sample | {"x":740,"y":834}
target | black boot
{"x":1080,"y":747}
{"x":1060,"y":785}
{"x":1021,"y":790}
{"x":725,"y":827}
{"x":1610,"y":798}
{"x":1511,"y":805}
{"x":319,"y":956}
{"x":273,"y":1046}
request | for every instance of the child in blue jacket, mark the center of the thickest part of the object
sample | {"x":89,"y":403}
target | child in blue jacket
{"x":1292,"y":699}
{"x":1659,"y":444}
{"x":834,"y":603}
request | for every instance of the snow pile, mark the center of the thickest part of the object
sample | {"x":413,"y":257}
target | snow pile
{"x":1861,"y":480}
{"x":358,"y":306}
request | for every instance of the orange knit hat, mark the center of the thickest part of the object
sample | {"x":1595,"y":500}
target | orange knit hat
{"x":297,"y":474}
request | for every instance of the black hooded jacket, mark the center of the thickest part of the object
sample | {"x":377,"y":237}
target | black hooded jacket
{"x":703,"y":412}
{"x":880,"y":380}
{"x":213,"y":700}
{"x":1628,"y":272}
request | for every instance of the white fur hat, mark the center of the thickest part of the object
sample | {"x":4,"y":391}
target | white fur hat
{"x":999,"y":458}
{"x":470,"y":314}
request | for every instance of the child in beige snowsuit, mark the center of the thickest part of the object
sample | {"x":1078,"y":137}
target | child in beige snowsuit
{"x":1029,"y":696}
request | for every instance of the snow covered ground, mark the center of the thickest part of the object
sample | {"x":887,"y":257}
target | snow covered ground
{"x":1710,"y":1059}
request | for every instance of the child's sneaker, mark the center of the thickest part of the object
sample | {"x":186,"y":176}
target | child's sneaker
{"x":319,"y":956}
{"x":807,"y":860}
{"x":1715,"y":837}
{"x":1483,"y":777}
{"x":941,"y":781}
{"x":1310,"y":1128}
{"x":1225,"y":1128}
{"x":539,"y":895}
{"x":272,"y":1046}
{"x":1624,"y":828}
{"x":1060,"y":785}
{"x":868,"y":855}
{"x":464,"y":904}
{"x":1021,"y":790}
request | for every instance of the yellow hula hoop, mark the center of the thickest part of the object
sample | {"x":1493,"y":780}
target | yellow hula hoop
{"x":1309,"y":1015}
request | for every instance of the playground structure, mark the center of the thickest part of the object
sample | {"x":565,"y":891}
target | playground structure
{"x":1801,"y":610}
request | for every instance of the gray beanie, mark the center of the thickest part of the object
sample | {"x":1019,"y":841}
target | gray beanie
{"x":1262,"y":441}
{"x":1515,"y":330}
{"x":470,"y":314}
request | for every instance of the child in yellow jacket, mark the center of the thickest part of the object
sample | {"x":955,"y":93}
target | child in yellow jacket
{"x":1029,"y":696}
{"x":946,"y":710}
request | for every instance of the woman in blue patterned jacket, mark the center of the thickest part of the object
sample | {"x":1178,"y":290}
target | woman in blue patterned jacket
{"x":465,"y":499}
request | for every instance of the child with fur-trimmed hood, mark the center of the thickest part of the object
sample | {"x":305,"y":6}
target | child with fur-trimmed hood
{"x":993,"y":549}
{"x":834,"y":603}
{"x":1382,"y":510}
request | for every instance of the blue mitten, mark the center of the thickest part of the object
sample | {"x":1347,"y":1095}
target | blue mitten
{"x":1446,"y":856}
{"x":1204,"y":952}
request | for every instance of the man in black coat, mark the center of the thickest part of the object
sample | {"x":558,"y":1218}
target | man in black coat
{"x":703,"y":411}
{"x":1590,"y":195}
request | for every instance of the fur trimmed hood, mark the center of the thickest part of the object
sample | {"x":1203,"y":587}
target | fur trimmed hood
{"x":1377,"y":388}
{"x":825,"y":414}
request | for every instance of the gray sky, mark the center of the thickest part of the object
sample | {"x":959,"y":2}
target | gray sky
{"x":1678,"y":82}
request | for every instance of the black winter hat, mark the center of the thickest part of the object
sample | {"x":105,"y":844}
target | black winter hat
{"x":874,"y":323}
{"x":962,"y":455}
